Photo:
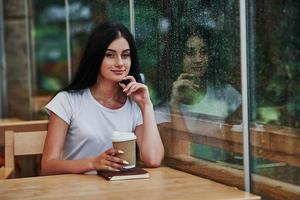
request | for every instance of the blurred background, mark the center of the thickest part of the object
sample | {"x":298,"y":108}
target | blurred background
{"x":41,"y":43}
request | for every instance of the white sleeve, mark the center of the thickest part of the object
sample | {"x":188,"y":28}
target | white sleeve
{"x":233,"y":97}
{"x":61,"y":106}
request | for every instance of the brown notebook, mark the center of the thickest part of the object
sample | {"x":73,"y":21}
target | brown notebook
{"x":124,"y":174}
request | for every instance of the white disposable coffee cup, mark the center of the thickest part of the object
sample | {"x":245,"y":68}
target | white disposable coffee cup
{"x":125,"y":141}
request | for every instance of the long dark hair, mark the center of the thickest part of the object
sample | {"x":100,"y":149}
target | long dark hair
{"x":217,"y":59}
{"x":172,"y":65}
{"x":101,"y":37}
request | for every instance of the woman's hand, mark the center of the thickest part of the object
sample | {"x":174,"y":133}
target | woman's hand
{"x":138,"y":92}
{"x":148,"y":138}
{"x":184,"y":89}
{"x":109,"y":161}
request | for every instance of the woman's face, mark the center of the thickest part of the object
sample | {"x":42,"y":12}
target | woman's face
{"x":116,"y":62}
{"x":195,"y":58}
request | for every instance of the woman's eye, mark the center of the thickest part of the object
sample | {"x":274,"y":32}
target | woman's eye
{"x":191,"y":52}
{"x":125,"y":55}
{"x":203,"y":51}
{"x":109,"y":55}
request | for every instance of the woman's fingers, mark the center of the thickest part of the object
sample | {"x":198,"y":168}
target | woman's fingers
{"x":108,"y":168}
{"x":108,"y":160}
{"x":131,"y":78}
{"x":113,"y":151}
{"x":112,"y":165}
{"x":132,"y":87}
{"x":136,"y":87}
{"x":126,"y":80}
{"x":116,"y":160}
{"x":186,"y":76}
{"x":188,"y":84}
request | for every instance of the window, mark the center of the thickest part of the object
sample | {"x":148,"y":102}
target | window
{"x":189,"y":53}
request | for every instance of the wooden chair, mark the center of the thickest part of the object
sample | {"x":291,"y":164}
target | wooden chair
{"x":21,"y":144}
{"x":33,"y":125}
{"x":19,"y":126}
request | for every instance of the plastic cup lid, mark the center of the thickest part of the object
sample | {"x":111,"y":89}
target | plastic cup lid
{"x":119,"y":136}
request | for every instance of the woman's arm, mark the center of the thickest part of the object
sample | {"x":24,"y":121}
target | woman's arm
{"x":183,"y":90}
{"x":52,"y":162}
{"x":148,"y":138}
{"x":177,"y":117}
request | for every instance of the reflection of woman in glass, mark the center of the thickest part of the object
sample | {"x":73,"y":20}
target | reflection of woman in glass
{"x":200,"y":90}
{"x":200,"y":97}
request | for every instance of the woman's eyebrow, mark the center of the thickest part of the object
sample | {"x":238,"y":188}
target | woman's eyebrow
{"x":116,"y":51}
{"x":111,"y":50}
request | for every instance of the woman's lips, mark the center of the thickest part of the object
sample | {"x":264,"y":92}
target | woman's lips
{"x":118,"y":72}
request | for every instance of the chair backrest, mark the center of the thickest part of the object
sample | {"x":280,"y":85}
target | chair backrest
{"x":22,"y":143}
{"x":34,"y":125}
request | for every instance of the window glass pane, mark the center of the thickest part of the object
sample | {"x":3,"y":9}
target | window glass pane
{"x":275,"y":107}
{"x":50,"y":50}
{"x":147,"y":35}
{"x":85,"y":15}
{"x":190,"y":54}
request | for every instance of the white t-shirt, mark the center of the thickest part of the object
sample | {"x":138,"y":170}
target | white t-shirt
{"x":218,"y":103}
{"x":90,"y":124}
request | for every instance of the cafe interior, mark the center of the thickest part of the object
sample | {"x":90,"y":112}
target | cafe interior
{"x":230,"y":67}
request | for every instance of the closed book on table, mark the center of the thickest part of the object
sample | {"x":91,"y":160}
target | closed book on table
{"x":124,"y":174}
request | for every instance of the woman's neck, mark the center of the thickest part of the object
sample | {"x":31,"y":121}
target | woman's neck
{"x":109,"y":95}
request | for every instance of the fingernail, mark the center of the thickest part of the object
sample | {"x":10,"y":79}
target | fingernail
{"x":116,"y":170}
{"x":120,"y":151}
{"x":125,"y":162}
{"x":125,"y":90}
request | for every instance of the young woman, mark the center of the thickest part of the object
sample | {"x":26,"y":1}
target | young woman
{"x":200,"y":90}
{"x":84,"y":115}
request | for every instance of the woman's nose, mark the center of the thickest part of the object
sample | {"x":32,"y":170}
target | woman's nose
{"x":197,"y":58}
{"x":119,"y":61}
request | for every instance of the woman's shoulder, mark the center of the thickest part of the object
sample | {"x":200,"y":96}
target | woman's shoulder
{"x":232,"y":95}
{"x":71,"y":94}
{"x":70,"y":97}
{"x":225,"y":93}
{"x":231,"y":91}
{"x":229,"y":88}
